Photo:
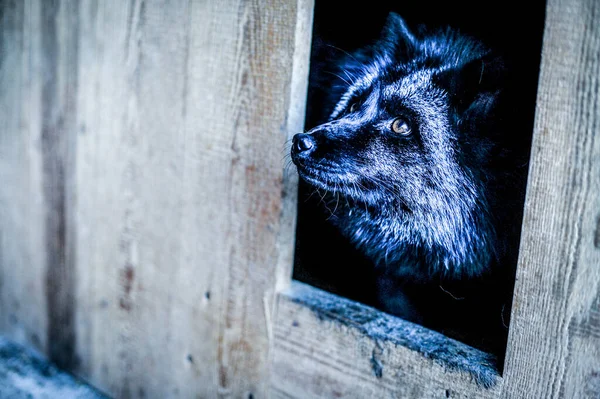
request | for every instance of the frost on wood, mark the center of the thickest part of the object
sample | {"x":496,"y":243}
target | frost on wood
{"x":452,"y":355}
{"x":26,"y":375}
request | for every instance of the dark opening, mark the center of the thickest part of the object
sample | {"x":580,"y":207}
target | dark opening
{"x":324,"y":258}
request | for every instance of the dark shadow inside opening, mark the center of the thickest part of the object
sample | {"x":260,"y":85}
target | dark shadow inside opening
{"x":324,"y":258}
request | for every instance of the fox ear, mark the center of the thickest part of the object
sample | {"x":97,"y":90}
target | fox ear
{"x":396,"y":37}
{"x":486,"y":74}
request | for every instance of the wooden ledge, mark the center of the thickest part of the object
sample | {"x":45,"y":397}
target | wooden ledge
{"x":328,"y":346}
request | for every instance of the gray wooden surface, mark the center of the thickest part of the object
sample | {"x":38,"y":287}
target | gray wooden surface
{"x":24,"y":204}
{"x":146,"y":224}
{"x":141,"y":157}
{"x":554,"y":343}
{"x":330,"y":347}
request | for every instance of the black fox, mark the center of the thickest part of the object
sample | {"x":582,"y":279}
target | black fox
{"x":423,"y":166}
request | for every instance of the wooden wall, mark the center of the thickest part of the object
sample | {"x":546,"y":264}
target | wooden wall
{"x":146,"y":224}
{"x":141,"y":206}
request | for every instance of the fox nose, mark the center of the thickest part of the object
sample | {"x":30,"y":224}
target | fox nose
{"x":303,"y":142}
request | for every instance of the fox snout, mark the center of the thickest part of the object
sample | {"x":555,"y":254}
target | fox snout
{"x":303,"y":144}
{"x":324,"y":144}
{"x":307,"y":146}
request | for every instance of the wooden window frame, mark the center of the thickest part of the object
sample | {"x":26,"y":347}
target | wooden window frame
{"x":327,"y":346}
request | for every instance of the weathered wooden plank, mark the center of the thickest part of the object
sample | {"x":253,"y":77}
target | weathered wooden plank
{"x":183,"y":109}
{"x":23,"y":198}
{"x":295,"y":124}
{"x":142,"y":216}
{"x":554,"y":345}
{"x":327,"y":346}
{"x":59,"y":33}
{"x":171,"y":119}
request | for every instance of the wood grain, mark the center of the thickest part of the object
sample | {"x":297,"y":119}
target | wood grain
{"x":184,"y":112}
{"x":142,"y":231}
{"x":331,"y":347}
{"x":146,"y":224}
{"x":59,"y":34}
{"x":554,"y":348}
{"x":23,"y":198}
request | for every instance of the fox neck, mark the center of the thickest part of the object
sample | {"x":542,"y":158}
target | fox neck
{"x":460,"y":243}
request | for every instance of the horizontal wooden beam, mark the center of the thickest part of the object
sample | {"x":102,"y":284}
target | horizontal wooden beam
{"x":328,"y":346}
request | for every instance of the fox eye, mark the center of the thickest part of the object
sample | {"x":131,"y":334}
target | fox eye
{"x":353,"y":107}
{"x":401,"y":126}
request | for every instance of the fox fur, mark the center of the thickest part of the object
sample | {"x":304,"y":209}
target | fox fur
{"x":422,"y":169}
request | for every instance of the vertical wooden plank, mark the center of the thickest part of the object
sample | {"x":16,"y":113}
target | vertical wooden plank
{"x":142,"y":216}
{"x":295,"y":124}
{"x":554,"y":346}
{"x":39,"y":54}
{"x":183,"y":109}
{"x":59,"y":45}
{"x":22,"y":201}
{"x":128,"y":191}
